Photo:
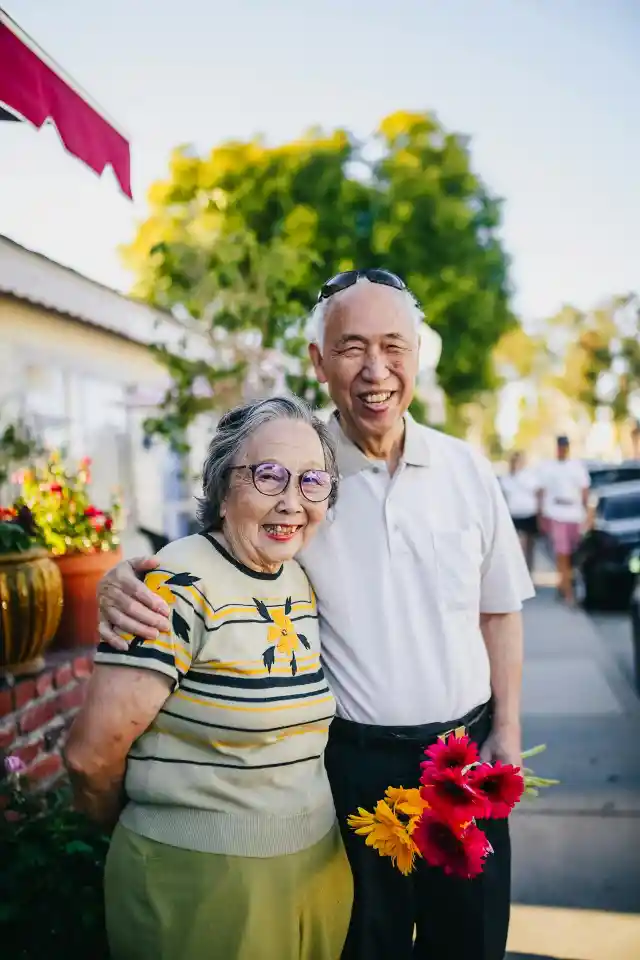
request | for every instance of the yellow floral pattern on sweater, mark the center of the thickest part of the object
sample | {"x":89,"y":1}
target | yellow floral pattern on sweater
{"x":282,"y":635}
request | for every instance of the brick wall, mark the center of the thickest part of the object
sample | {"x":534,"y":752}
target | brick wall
{"x":36,"y":712}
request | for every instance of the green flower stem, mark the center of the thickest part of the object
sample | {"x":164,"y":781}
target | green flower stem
{"x":532,"y":783}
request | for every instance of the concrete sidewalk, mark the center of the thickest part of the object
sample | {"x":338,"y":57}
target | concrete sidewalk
{"x":577,"y":701}
{"x":577,"y":847}
{"x":549,"y":933}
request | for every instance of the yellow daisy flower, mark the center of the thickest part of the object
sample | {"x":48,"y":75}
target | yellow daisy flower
{"x":386,"y":834}
{"x":408,"y":802}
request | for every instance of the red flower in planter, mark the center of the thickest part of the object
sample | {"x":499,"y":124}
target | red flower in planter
{"x":97,"y":518}
{"x":67,"y":520}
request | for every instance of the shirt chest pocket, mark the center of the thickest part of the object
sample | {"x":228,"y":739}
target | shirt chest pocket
{"x":458,"y":560}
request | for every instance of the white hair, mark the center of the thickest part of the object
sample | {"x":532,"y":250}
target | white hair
{"x":318,"y":316}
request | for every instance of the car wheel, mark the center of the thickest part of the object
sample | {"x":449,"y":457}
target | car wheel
{"x":584,"y":591}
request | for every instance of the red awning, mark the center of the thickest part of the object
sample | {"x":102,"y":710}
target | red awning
{"x":36,"y":88}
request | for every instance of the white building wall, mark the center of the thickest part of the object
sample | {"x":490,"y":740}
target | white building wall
{"x":79,"y":387}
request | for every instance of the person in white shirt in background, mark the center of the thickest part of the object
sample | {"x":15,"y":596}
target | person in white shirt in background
{"x":563,"y":490}
{"x":519,"y":487}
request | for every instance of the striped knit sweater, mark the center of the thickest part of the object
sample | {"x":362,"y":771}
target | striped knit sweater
{"x":233,"y":763}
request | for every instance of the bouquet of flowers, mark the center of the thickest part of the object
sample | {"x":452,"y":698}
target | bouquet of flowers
{"x":437,"y":820}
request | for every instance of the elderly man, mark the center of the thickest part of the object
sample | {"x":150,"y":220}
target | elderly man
{"x":420,"y":581}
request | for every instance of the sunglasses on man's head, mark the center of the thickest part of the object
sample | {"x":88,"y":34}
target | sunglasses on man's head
{"x":350,"y":277}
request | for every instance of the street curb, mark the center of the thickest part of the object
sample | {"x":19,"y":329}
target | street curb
{"x":528,"y":956}
{"x":564,"y":933}
{"x":615,"y":802}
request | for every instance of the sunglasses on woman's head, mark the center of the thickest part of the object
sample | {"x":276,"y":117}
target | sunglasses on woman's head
{"x":272,"y":479}
{"x":350,"y":277}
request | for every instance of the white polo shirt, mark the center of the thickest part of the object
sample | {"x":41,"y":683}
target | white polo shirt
{"x":402,"y":568}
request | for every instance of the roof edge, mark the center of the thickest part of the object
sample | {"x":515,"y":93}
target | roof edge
{"x":166,"y":314}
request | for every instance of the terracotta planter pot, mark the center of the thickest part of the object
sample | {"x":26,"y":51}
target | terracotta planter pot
{"x":81,"y":573}
{"x":30,"y":608}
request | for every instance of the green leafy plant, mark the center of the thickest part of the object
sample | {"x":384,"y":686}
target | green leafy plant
{"x":17,"y":530}
{"x":18,"y":445}
{"x":13,"y":539}
{"x":66,"y":519}
{"x":51,"y":901}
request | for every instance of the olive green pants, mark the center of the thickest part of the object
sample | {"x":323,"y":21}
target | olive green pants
{"x":166,"y":903}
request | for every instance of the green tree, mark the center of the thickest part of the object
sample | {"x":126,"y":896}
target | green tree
{"x":437,"y":225}
{"x":626,"y":357}
{"x":520,"y":355}
{"x":573,"y":364}
{"x":241,"y":240}
{"x":598,"y":364}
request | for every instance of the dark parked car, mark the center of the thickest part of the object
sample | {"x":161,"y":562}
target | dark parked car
{"x":602,"y":574}
{"x":605,"y":474}
{"x":634,"y":567}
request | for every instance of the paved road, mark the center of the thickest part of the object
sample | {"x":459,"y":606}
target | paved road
{"x":576,"y":849}
{"x":614,"y":631}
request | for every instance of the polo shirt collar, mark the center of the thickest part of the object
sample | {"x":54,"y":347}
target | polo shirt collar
{"x":351,"y":459}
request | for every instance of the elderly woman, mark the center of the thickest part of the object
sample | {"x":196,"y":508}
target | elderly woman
{"x":206,"y":745}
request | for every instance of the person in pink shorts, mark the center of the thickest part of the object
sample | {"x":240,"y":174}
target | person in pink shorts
{"x":562,"y":497}
{"x":564,"y":536}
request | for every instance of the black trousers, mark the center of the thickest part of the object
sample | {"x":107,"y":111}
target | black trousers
{"x":454,"y":919}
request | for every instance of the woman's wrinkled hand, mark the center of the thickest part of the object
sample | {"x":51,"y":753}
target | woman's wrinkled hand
{"x":128,"y":606}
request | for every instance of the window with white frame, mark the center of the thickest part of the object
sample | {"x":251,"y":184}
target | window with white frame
{"x":46,"y":403}
{"x":98,"y":429}
{"x":80,"y":415}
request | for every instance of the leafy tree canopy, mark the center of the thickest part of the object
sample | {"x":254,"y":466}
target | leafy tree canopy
{"x":574,"y":363}
{"x":242,"y":239}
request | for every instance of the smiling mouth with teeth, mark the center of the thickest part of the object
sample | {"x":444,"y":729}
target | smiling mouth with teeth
{"x":281,"y":531}
{"x":375,"y":398}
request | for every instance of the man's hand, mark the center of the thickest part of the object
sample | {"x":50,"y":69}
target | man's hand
{"x":504,"y":744}
{"x":127,"y":605}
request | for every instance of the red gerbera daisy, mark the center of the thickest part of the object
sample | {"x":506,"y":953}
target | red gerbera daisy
{"x":451,"y":792}
{"x":451,"y":753}
{"x":460,"y":850}
{"x":500,"y":785}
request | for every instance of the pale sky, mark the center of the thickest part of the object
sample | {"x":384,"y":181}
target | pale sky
{"x":547,"y":89}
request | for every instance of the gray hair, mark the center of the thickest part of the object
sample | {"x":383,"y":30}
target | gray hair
{"x":318,"y":316}
{"x":234,"y":429}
